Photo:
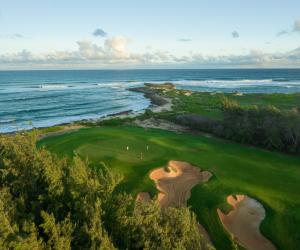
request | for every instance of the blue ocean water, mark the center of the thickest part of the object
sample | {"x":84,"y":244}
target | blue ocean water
{"x":44,"y":98}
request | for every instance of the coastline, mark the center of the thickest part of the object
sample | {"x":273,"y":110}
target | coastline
{"x":165,"y":101}
{"x":188,"y":114}
{"x":157,"y":104}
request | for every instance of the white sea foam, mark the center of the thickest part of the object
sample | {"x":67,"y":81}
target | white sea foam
{"x":225,"y":83}
{"x":118,"y":85}
{"x":53,"y":86}
{"x":110,"y":85}
{"x":231,"y":84}
{"x":74,"y":99}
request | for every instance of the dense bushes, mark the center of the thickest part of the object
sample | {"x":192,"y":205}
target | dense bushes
{"x":263,"y":126}
{"x":267,"y":127}
{"x":198,"y":122}
{"x":144,"y":226}
{"x":48,"y":203}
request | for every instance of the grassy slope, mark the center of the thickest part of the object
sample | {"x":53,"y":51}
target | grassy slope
{"x":270,"y":177}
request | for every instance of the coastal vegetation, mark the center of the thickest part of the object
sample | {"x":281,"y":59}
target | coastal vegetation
{"x":269,"y":177}
{"x":78,"y":188}
{"x":268,"y":127}
{"x":52,"y":203}
{"x":270,"y":120}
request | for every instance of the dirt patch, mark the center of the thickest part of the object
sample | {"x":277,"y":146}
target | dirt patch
{"x":175,"y":183}
{"x":243,"y":222}
{"x":161,"y":124}
{"x":165,"y":106}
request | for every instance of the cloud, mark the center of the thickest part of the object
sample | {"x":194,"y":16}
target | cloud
{"x":235,"y":34}
{"x":283,"y":32}
{"x":99,"y":32}
{"x":254,"y":58}
{"x":117,"y":45}
{"x":114,"y":52}
{"x":13,"y":36}
{"x":295,"y":28}
{"x":16,"y":36}
{"x":184,"y":40}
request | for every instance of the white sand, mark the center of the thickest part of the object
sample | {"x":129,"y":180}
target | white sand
{"x":243,"y":222}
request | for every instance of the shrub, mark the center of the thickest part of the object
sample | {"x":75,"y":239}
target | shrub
{"x":51,"y":203}
{"x":197,"y":122}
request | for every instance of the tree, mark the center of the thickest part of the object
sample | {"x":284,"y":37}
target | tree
{"x":56,"y":203}
{"x":148,"y":226}
{"x":268,"y":126}
{"x":51,"y":203}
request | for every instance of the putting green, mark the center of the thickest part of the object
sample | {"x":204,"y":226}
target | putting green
{"x":271,"y":178}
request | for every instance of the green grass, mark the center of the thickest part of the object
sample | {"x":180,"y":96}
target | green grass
{"x":208,"y":104}
{"x":51,"y":129}
{"x":270,"y":177}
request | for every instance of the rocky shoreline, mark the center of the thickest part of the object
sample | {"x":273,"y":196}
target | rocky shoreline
{"x":150,"y":91}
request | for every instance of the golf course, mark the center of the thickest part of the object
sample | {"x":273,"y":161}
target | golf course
{"x":271,"y":178}
{"x":150,"y":125}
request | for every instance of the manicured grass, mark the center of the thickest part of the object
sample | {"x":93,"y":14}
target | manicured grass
{"x":270,"y":177}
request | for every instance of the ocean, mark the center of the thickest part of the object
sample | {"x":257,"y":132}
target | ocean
{"x":45,"y":98}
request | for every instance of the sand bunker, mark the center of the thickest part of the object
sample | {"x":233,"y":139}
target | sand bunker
{"x":175,"y":183}
{"x":243,"y":222}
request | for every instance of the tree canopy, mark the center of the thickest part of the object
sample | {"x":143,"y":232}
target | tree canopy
{"x":52,"y":203}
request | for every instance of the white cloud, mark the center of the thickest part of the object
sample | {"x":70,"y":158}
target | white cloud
{"x":184,"y":40}
{"x":89,"y":51}
{"x":295,"y":28}
{"x":114,"y":53}
{"x":12,"y":36}
{"x":117,"y":46}
{"x":254,"y":58}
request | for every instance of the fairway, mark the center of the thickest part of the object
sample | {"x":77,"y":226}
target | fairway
{"x":271,"y":178}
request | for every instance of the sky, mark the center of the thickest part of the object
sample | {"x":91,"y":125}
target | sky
{"x":119,"y":34}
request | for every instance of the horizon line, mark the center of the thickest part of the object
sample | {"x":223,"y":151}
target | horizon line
{"x":135,"y":69}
